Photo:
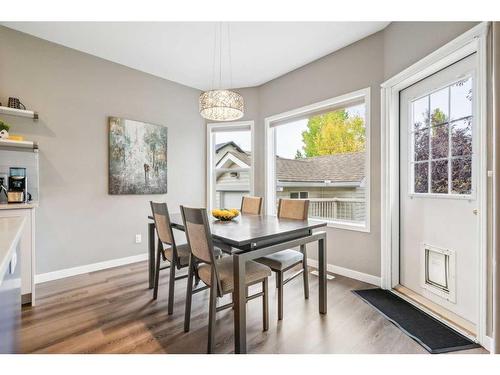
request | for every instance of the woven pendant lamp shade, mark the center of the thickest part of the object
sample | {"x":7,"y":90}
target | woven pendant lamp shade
{"x":221,"y":105}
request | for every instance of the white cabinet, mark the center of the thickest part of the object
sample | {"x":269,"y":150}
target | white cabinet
{"x":27,"y":247}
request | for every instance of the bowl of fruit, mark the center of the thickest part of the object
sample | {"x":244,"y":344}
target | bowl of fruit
{"x":225,"y":214}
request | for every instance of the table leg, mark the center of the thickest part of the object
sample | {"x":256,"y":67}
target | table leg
{"x":322,"y":275}
{"x":151,"y":254}
{"x":239,"y":298}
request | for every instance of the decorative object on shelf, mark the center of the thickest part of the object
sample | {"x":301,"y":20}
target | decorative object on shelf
{"x":221,"y":104}
{"x":137,"y":157}
{"x":15,"y":137}
{"x":4,"y":130}
{"x":225,"y":214}
{"x":16,"y":103}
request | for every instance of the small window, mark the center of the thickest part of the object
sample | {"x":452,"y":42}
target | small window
{"x":441,"y":129}
{"x":299,"y":195}
{"x":229,"y":163}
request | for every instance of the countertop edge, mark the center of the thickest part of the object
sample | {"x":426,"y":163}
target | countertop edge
{"x":18,"y":206}
{"x":4,"y":263}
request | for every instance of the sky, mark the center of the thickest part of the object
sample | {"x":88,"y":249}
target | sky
{"x":288,"y":135}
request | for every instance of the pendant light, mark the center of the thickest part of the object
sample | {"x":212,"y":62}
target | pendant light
{"x":221,"y":104}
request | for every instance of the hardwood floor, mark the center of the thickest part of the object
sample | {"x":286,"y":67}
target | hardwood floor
{"x":112,"y":311}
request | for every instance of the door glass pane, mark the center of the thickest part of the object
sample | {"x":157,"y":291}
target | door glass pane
{"x":461,"y":99}
{"x":421,"y":178}
{"x":461,"y":175}
{"x":422,"y":145}
{"x":439,"y":141}
{"x":421,"y":113}
{"x":439,"y":176}
{"x":461,"y":137}
{"x":439,"y":107}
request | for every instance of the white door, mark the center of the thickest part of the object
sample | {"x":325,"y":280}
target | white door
{"x":439,"y":222}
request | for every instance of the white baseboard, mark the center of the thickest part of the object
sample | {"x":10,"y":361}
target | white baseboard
{"x":370,"y":279}
{"x":488,"y":343}
{"x":67,"y":272}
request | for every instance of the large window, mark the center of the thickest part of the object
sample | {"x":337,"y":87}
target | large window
{"x":230,"y":164}
{"x":321,"y":153}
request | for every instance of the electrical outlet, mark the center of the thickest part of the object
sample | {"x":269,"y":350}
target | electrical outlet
{"x":138,"y":238}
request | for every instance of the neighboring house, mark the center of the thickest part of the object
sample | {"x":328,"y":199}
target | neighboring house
{"x":334,"y":184}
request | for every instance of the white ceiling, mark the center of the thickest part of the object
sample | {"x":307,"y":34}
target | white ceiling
{"x":184,"y":51}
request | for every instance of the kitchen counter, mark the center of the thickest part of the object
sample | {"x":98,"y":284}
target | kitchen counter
{"x":18,"y":206}
{"x":11,"y":233}
{"x":11,"y":229}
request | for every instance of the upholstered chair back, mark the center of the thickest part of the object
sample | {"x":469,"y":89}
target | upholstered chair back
{"x":293,"y":209}
{"x":251,"y":205}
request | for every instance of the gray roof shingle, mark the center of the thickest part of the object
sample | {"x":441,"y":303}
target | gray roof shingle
{"x":347,"y":167}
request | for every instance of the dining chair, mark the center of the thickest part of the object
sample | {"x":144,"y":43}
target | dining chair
{"x":217,"y":274}
{"x":251,"y":205}
{"x":168,"y":250}
{"x":282,"y":261}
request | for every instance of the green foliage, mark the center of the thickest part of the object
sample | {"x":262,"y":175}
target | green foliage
{"x":333,"y":133}
{"x":299,"y":155}
{"x":4,"y":126}
{"x":438,"y":117}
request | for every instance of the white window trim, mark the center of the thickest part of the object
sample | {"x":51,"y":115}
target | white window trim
{"x":472,"y":41}
{"x":270,"y":150}
{"x":227,"y":126}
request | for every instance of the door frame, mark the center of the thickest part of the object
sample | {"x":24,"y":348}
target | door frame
{"x":473,"y":41}
{"x":227,"y":126}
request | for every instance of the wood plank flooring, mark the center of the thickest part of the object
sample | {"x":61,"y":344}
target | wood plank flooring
{"x":112,"y":311}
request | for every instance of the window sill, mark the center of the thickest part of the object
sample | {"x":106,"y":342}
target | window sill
{"x":443,"y":196}
{"x":357,"y":227}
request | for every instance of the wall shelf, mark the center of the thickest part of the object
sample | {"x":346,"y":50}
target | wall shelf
{"x":18,"y":112}
{"x":7,"y":144}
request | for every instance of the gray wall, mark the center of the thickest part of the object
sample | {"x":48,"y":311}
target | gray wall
{"x":78,"y":223}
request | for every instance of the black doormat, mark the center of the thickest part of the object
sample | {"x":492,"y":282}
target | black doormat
{"x":433,"y":335}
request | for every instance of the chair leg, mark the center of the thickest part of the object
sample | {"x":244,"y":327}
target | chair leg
{"x":171,"y":286}
{"x":157,"y":271}
{"x":305,"y":274}
{"x":211,"y":317}
{"x":265,"y":305}
{"x":277,"y":280}
{"x":279,"y":274}
{"x":189,"y":296}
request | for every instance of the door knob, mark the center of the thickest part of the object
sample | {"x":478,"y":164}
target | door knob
{"x":475,"y":211}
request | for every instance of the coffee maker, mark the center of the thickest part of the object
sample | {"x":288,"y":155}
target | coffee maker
{"x":18,"y":184}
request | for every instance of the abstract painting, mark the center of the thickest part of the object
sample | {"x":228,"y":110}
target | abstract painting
{"x":137,"y":157}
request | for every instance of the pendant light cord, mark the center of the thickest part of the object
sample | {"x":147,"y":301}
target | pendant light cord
{"x":220,"y":55}
{"x":213,"y":56}
{"x":230,"y":60}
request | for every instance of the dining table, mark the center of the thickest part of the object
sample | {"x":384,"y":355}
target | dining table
{"x":250,"y":237}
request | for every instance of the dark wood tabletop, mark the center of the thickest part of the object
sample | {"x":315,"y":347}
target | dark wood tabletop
{"x":253,"y":230}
